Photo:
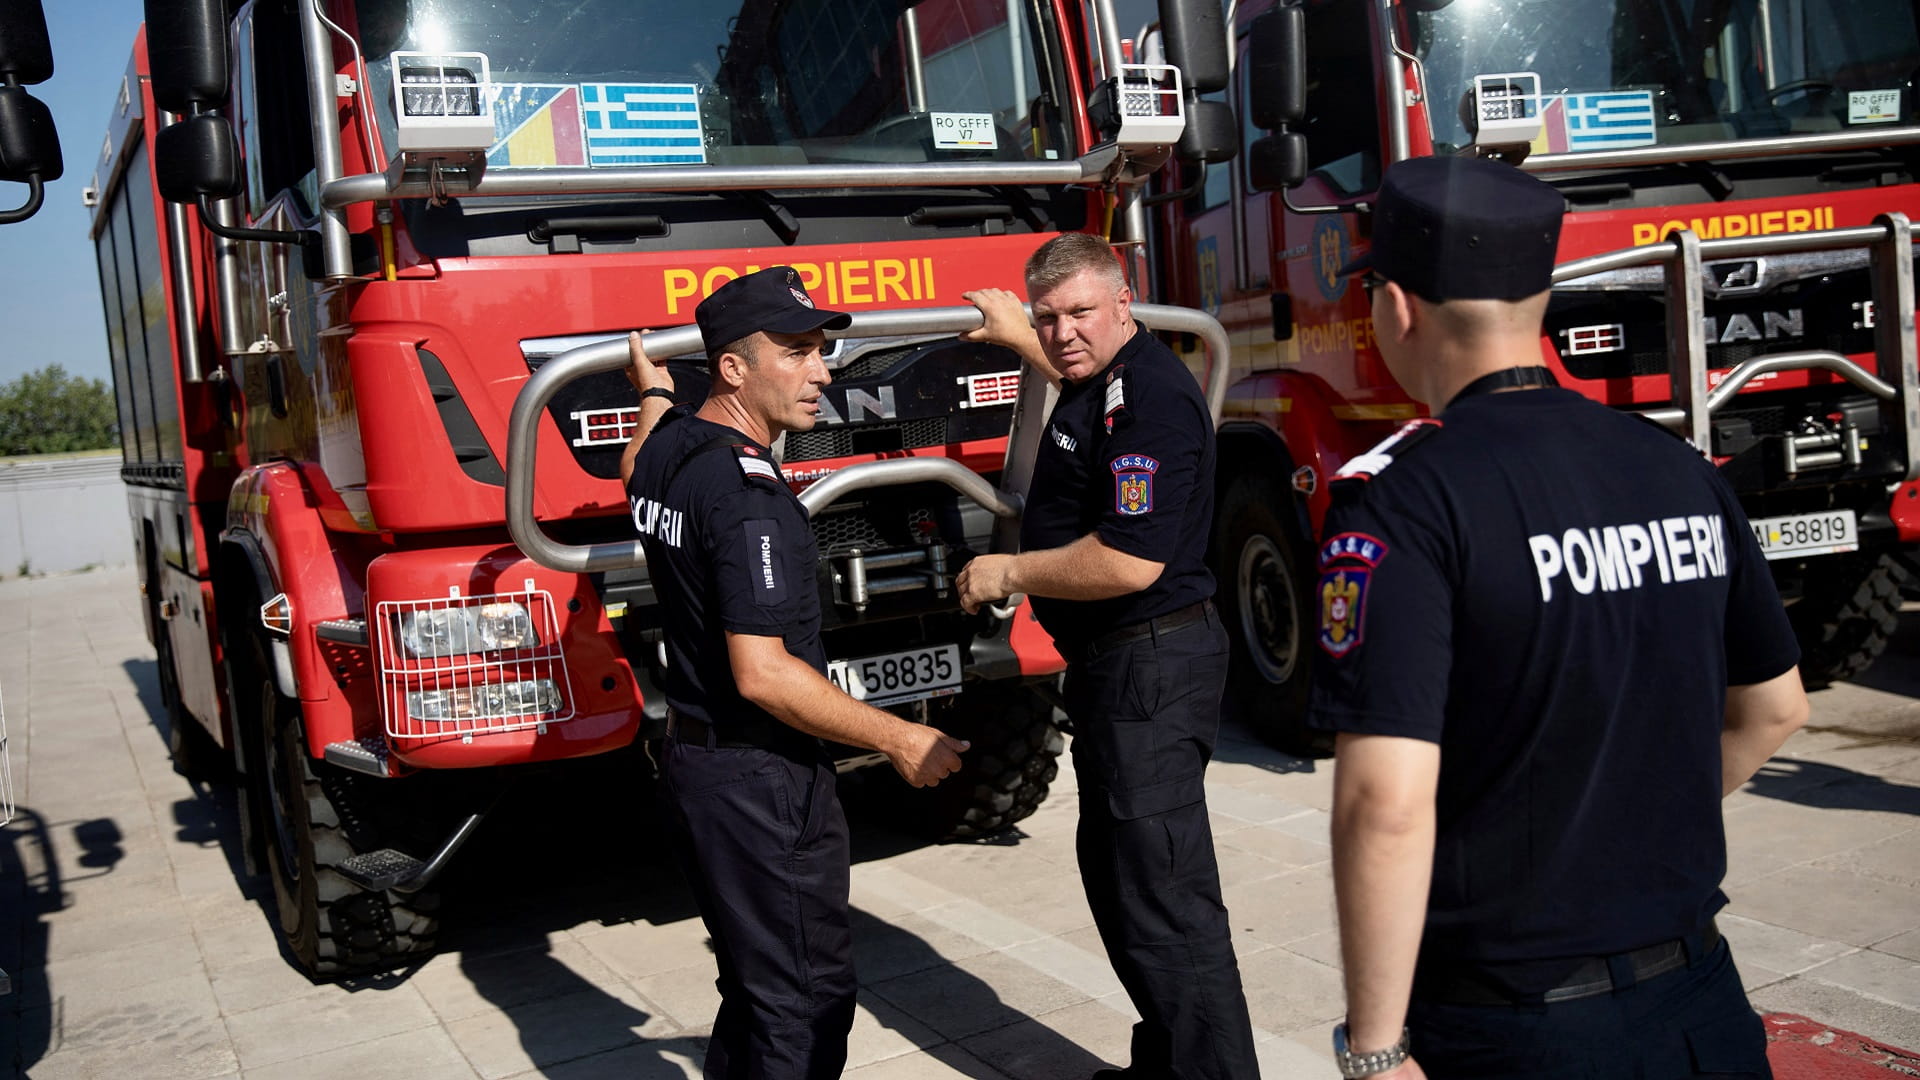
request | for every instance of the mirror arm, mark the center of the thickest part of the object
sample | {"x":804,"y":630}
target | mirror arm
{"x":302,"y":237}
{"x":1199,"y":181}
{"x":35,"y":193}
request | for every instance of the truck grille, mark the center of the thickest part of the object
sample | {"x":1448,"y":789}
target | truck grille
{"x":1827,"y":319}
{"x":877,"y":438}
{"x":871,"y":527}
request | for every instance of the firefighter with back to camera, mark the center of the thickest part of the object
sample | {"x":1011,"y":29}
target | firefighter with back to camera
{"x":1113,"y":543}
{"x":747,"y":787}
{"x":1549,"y":645}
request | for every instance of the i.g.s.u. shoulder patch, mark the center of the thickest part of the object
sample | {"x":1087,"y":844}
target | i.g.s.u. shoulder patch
{"x":1347,"y":563}
{"x":1363,"y":467}
{"x":1133,"y":484}
{"x":753,"y":463}
{"x":1115,"y":411}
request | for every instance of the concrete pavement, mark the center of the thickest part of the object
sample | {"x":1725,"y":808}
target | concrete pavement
{"x":137,"y":945}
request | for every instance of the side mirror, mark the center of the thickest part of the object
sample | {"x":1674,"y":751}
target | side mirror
{"x":1211,"y":135}
{"x":29,"y":147}
{"x":196,"y":157}
{"x":187,"y":52}
{"x":1277,"y":161}
{"x":26,"y":56}
{"x":1196,"y":42}
{"x":1277,"y":68}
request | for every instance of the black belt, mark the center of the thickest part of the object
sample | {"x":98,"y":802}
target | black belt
{"x":1127,"y":635}
{"x":1589,"y":978}
{"x":692,"y":729}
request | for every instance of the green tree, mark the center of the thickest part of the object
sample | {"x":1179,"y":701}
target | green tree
{"x":49,"y":412}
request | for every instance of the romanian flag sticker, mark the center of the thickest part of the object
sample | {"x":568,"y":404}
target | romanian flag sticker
{"x":536,"y":124}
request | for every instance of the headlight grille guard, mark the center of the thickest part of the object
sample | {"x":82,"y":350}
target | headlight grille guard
{"x":467,"y":693}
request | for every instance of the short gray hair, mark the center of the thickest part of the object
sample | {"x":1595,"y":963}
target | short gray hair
{"x":1066,"y":255}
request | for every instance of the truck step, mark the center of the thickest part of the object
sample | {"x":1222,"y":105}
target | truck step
{"x":389,"y":868}
{"x":344,"y":631}
{"x":384,"y":869}
{"x":362,"y":756}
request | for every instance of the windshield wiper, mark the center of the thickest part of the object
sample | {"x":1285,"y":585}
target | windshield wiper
{"x":778,"y":217}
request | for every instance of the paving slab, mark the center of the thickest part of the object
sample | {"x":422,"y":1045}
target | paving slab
{"x":153,"y":954}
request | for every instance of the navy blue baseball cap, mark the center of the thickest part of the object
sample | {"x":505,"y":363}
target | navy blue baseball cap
{"x":771,"y":299}
{"x":1461,"y":228}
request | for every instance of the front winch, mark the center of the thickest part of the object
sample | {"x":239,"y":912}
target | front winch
{"x":855,"y":584}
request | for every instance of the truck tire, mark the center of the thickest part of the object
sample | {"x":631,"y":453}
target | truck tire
{"x":1003,"y":779}
{"x":1848,"y":609}
{"x":332,"y":927}
{"x":1263,"y":565}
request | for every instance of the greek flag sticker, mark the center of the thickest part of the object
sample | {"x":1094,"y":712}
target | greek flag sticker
{"x":642,"y":124}
{"x":1611,"y":121}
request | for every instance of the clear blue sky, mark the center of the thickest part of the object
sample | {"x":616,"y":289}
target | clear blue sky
{"x":49,"y":287}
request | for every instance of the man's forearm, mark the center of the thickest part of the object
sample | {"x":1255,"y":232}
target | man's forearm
{"x":1381,"y":878}
{"x":1083,"y":570}
{"x":1383,"y":830}
{"x":802,"y":698}
{"x":651,"y":410}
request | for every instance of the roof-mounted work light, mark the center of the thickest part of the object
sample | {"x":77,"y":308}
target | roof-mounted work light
{"x":444,"y":114}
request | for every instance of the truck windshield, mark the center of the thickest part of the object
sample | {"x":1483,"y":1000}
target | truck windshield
{"x":603,"y":83}
{"x":1622,"y":73}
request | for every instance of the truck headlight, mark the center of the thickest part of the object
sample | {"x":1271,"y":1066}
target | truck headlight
{"x":529,"y":697}
{"x":456,"y":631}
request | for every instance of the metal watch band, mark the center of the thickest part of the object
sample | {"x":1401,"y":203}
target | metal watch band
{"x":1372,"y":1063}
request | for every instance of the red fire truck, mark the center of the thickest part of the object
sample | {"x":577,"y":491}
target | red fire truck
{"x":345,"y":245}
{"x":1736,"y":266}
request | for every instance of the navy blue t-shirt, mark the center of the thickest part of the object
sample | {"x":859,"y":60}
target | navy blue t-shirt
{"x":1558,"y":594}
{"x":729,"y":549}
{"x":1142,"y":483}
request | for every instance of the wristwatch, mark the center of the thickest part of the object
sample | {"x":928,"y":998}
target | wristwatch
{"x":1373,"y":1063}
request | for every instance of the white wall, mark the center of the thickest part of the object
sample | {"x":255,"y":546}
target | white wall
{"x":62,"y":513}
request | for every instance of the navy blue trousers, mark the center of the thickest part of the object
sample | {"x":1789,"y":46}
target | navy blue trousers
{"x":1691,"y":1022}
{"x":763,"y":843}
{"x":1145,"y":718}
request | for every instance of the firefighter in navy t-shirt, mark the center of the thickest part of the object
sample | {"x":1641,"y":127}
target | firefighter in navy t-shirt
{"x":1113,"y":542}
{"x":748,"y":789}
{"x":1550,"y":645}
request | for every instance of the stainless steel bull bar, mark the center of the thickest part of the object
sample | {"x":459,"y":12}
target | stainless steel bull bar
{"x":1889,"y":241}
{"x":523,"y":431}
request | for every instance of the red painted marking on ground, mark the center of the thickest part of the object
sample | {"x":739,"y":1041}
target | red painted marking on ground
{"x":1803,"y":1049}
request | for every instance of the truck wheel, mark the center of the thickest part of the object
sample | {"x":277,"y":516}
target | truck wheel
{"x":1849,"y":608}
{"x":1266,"y":599}
{"x":332,"y":926}
{"x":1002,"y":779}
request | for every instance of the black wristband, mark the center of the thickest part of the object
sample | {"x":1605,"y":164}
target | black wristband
{"x":656,"y":391}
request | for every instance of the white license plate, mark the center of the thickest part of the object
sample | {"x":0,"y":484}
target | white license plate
{"x":1828,"y":532}
{"x":892,"y":678}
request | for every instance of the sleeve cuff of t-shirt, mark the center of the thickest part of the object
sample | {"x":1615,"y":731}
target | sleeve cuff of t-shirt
{"x":755,"y":628}
{"x":1759,"y":671}
{"x":1126,"y":542}
{"x":1364,"y":722}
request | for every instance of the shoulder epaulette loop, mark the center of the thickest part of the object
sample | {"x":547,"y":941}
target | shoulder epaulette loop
{"x":1363,"y":467}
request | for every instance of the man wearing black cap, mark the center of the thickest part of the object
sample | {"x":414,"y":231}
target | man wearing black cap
{"x":1113,"y":551}
{"x":1549,"y":645}
{"x":748,"y":789}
